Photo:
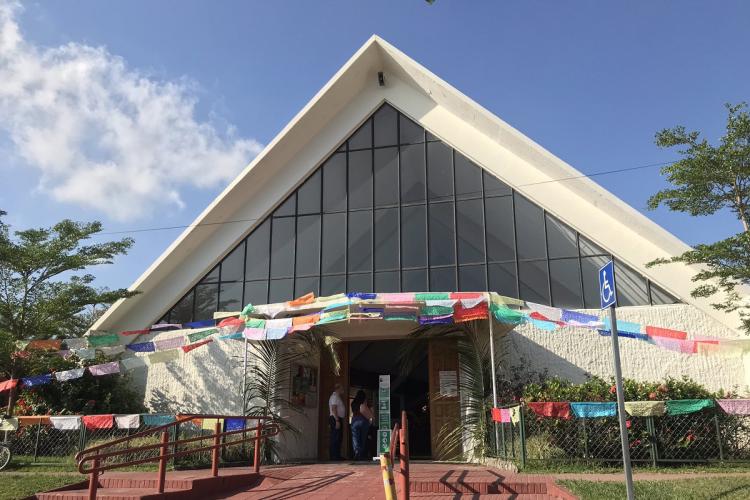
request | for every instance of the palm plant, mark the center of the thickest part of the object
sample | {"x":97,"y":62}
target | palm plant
{"x":467,"y":439}
{"x":269,"y":379}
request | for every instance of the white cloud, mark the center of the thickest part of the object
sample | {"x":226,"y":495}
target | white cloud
{"x":103,"y":135}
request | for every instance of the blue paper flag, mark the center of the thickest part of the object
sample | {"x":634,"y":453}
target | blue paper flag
{"x":37,"y":380}
{"x":142,"y":347}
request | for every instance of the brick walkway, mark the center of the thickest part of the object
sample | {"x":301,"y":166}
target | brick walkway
{"x":364,"y":482}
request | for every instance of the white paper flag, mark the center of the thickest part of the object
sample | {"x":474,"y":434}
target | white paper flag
{"x":66,"y":423}
{"x":128,"y":421}
{"x":70,"y":374}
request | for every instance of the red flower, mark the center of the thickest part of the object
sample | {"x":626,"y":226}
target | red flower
{"x":613,"y":389}
{"x":627,"y":424}
{"x":652,"y":395}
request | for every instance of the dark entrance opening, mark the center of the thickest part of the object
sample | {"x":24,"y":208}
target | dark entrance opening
{"x":368,"y":360}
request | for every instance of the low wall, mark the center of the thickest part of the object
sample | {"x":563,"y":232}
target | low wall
{"x":574,"y":353}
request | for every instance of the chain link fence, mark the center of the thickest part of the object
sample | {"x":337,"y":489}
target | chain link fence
{"x":41,"y":443}
{"x":701,"y":437}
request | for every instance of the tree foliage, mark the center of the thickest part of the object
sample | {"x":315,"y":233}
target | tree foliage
{"x":46,"y":293}
{"x":707,"y":180}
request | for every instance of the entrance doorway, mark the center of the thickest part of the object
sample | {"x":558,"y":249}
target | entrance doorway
{"x":368,"y":360}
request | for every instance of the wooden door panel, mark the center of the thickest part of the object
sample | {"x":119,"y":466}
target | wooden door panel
{"x":327,"y":381}
{"x":444,"y":411}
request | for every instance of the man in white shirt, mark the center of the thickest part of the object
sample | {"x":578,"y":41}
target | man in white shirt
{"x":336,"y":416}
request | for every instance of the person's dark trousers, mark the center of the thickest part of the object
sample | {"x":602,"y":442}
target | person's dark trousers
{"x":360,"y":426}
{"x":334,"y":451}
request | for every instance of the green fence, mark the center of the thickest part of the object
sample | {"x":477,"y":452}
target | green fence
{"x":706,"y":436}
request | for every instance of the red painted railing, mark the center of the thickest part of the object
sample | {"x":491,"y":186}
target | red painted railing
{"x":96,"y":455}
{"x":400,"y":449}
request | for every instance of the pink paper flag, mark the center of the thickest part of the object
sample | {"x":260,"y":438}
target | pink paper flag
{"x":735,"y":406}
{"x":166,"y":344}
{"x":105,"y":369}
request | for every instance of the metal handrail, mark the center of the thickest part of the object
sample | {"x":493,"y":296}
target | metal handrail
{"x":399,"y":448}
{"x":94,"y":455}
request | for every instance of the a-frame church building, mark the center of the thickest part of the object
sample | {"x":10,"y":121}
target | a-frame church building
{"x":391,"y":180}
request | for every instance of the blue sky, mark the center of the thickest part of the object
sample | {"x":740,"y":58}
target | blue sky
{"x":591,"y":81}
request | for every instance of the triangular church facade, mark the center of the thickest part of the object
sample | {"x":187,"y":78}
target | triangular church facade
{"x":391,"y":180}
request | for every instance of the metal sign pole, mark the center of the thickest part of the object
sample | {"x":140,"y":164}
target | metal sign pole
{"x":244,"y":380}
{"x":494,"y":378}
{"x":621,"y":406}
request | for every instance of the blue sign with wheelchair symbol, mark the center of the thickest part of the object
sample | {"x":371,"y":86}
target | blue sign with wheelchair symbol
{"x":607,"y":295}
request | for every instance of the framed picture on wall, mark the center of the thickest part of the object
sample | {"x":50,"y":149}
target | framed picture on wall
{"x":304,"y":385}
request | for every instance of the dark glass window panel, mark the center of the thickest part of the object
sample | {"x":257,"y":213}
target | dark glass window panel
{"x":409,"y":131}
{"x":439,"y":172}
{"x":472,"y":279}
{"x":431,"y":137}
{"x":470,"y":231}
{"x":414,"y":236}
{"x":412,"y":174}
{"x":386,"y":282}
{"x":360,"y":241}
{"x":631,"y":286}
{"x":494,"y":186}
{"x":386,"y":177}
{"x":233,"y":265}
{"x":503,"y":279}
{"x":442,"y":234}
{"x":183,"y":311}
{"x":256,"y":265}
{"x":561,"y":239}
{"x":331,"y":285}
{"x":565,"y":279}
{"x":468,"y":178}
{"x":534,"y":283}
{"x":212,"y":276}
{"x":386,"y":238}
{"x":362,"y":138}
{"x":660,"y":297}
{"x":414,"y":280}
{"x":306,"y":285}
{"x":499,"y":227}
{"x":334,"y":184}
{"x":282,"y":247}
{"x":308,"y":245}
{"x":588,"y":247}
{"x":386,"y":133}
{"x":359,"y":283}
{"x":256,"y":292}
{"x":360,"y":179}
{"x":288,"y":207}
{"x":206,"y":301}
{"x":590,"y":273}
{"x":529,"y":229}
{"x":443,"y":279}
{"x":281,"y":290}
{"x":341,"y":148}
{"x":308,"y":195}
{"x":230,"y":296}
{"x":334,"y":243}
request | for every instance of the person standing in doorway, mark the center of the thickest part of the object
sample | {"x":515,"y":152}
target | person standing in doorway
{"x":336,"y":415}
{"x":361,"y":420}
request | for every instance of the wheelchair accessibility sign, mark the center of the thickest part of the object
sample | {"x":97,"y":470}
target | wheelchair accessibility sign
{"x":607,"y":295}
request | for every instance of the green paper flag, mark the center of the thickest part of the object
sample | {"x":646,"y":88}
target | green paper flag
{"x":194,"y":337}
{"x":249,"y":309}
{"x":685,"y":406}
{"x":436,"y":310}
{"x":109,"y":339}
{"x":255,"y":323}
{"x":432,"y":296}
{"x":507,"y":315}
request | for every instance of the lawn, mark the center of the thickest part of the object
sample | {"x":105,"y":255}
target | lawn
{"x":725,"y":488}
{"x":16,"y":485}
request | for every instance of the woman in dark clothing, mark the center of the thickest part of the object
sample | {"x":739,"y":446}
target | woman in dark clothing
{"x":361,"y":418}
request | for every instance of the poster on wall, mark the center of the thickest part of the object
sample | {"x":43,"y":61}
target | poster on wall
{"x":304,"y":385}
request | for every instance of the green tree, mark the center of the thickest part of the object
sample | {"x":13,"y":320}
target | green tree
{"x":43,"y":293}
{"x":709,"y":179}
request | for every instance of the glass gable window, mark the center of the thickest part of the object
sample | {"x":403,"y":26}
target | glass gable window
{"x":396,"y":209}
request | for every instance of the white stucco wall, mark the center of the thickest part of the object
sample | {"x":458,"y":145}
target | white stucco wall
{"x":209,"y":380}
{"x":572,"y":353}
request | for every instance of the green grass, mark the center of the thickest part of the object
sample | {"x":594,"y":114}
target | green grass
{"x":16,"y":486}
{"x":724,"y":488}
{"x":600,"y":468}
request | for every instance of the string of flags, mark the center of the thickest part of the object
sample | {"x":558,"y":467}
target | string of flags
{"x":594,"y":409}
{"x":276,"y":321}
{"x":112,"y":421}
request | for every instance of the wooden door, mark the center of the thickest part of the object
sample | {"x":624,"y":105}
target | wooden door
{"x":445,"y":413}
{"x":327,"y":380}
